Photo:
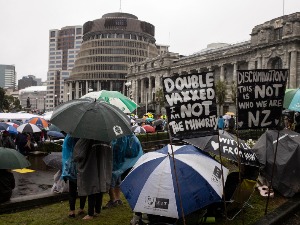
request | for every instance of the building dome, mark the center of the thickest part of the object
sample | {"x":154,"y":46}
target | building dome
{"x":109,"y":45}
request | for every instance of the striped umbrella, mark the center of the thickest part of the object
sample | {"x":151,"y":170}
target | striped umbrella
{"x":151,"y":186}
{"x":28,"y":128}
{"x":114,"y":98}
{"x":40,"y":122}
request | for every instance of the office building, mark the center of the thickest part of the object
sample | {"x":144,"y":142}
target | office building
{"x":64,"y":45}
{"x":8,"y":76}
{"x":109,"y":45}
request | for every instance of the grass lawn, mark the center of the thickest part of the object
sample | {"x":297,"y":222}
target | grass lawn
{"x":58,"y":214}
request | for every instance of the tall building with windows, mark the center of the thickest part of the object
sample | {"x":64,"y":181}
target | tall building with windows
{"x":109,"y":45}
{"x":8,"y":76}
{"x":64,"y":45}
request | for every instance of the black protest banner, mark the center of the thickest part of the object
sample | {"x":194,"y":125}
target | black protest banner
{"x":191,"y":104}
{"x":260,"y":97}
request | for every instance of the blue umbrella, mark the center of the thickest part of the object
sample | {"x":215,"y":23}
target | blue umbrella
{"x":151,"y":188}
{"x":12,"y":130}
{"x":55,"y":134}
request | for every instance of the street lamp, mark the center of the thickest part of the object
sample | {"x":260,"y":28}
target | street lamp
{"x":68,"y":96}
{"x":55,"y":96}
{"x":44,"y":104}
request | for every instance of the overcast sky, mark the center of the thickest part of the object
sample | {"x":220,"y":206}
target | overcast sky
{"x":187,"y":26}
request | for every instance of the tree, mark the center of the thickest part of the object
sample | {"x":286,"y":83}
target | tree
{"x":221,"y":92}
{"x":2,"y":95}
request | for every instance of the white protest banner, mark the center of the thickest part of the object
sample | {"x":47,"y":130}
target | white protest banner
{"x":191,"y":104}
{"x":260,"y":97}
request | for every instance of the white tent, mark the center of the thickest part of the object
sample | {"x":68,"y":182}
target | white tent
{"x":17,"y":116}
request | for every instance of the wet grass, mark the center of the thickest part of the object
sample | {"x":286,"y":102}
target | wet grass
{"x":58,"y":214}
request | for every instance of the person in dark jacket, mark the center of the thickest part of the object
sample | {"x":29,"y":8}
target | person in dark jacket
{"x":94,"y":172}
{"x":7,"y":184}
{"x":7,"y":141}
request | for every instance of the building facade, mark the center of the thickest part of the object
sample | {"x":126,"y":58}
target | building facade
{"x":27,"y":81}
{"x":8,"y":76}
{"x":273,"y":44}
{"x":36,"y":96}
{"x":109,"y":45}
{"x":64,"y":44}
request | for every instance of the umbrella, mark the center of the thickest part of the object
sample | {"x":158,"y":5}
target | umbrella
{"x":28,"y":128}
{"x":52,"y":127}
{"x":149,"y":120}
{"x":54,"y":160}
{"x":151,"y":188}
{"x":12,"y":159}
{"x":3,"y":126}
{"x":230,"y":113}
{"x":114,"y":98}
{"x":149,"y":129}
{"x":13,"y":124}
{"x":40,"y":122}
{"x":91,"y":119}
{"x":229,"y":147}
{"x":7,"y":127}
{"x":12,"y":130}
{"x":226,"y":117}
{"x":292,"y":100}
{"x":158,"y":122}
{"x":55,"y":134}
{"x":286,"y":179}
{"x":138,"y":129}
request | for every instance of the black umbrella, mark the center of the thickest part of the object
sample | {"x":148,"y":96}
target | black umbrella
{"x":229,"y":148}
{"x":91,"y":119}
{"x":12,"y":159}
{"x":54,"y":160}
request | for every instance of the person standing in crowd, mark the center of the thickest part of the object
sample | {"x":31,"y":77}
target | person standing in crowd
{"x":94,"y":167}
{"x":7,"y":142}
{"x":231,"y":125}
{"x":126,"y":151}
{"x":221,"y":123}
{"x":7,"y":184}
{"x":21,"y":141}
{"x":69,"y":173}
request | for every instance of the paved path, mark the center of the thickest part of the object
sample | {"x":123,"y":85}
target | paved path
{"x":33,"y":183}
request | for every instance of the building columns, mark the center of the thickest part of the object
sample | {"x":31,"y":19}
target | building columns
{"x":76,"y":90}
{"x":293,"y":70}
{"x":150,"y":90}
{"x":142,"y":91}
{"x":222,"y":73}
{"x":234,"y":76}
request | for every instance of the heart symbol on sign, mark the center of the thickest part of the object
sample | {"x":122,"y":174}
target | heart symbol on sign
{"x":240,"y":123}
{"x":215,"y":145}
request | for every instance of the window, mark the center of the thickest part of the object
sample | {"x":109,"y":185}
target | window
{"x":78,"y":30}
{"x":277,"y":63}
{"x":278,"y":33}
{"x":52,"y":34}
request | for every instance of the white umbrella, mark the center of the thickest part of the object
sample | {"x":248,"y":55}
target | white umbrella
{"x":28,"y":128}
{"x":151,"y":188}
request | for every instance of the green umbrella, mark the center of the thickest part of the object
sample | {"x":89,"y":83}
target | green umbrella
{"x":91,"y":119}
{"x":12,"y":159}
{"x":114,"y":98}
{"x":292,"y":99}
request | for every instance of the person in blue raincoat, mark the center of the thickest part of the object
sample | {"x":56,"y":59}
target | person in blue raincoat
{"x":126,"y":151}
{"x":221,"y":123}
{"x":69,"y":172}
